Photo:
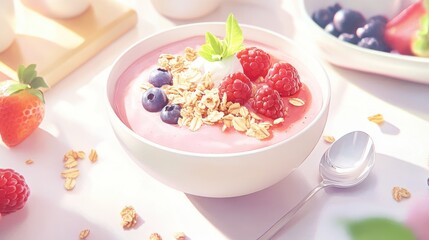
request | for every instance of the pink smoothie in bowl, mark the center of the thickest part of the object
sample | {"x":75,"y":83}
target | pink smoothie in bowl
{"x":211,"y":162}
{"x":209,"y":138}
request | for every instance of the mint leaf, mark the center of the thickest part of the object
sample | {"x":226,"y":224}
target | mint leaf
{"x":215,"y":49}
{"x":379,"y":229}
{"x":234,"y":36}
{"x":205,"y":52}
{"x":215,"y":43}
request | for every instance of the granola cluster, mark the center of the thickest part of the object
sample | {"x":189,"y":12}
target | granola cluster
{"x":399,"y":193}
{"x":129,"y":217}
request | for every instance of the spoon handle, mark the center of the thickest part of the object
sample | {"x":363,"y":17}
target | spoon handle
{"x":289,"y":215}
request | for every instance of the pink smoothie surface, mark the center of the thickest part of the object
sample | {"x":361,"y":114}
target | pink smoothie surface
{"x":208,"y":139}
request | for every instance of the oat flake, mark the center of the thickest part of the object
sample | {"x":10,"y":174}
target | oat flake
{"x":70,"y":173}
{"x":84,"y":234}
{"x":329,"y":139}
{"x":93,"y":156}
{"x":297,"y":102}
{"x":377,"y":118}
{"x":69,"y":183}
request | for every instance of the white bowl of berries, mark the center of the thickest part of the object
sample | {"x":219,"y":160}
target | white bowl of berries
{"x":215,"y":112}
{"x":384,"y":37}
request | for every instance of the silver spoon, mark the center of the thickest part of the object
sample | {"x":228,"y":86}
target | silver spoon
{"x":345,"y":164}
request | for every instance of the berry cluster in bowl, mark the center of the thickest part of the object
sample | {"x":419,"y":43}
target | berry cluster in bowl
{"x":407,"y":33}
{"x":237,"y":86}
{"x":351,"y":26}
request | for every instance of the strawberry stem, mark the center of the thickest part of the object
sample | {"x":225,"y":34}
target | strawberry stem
{"x":27,"y":81}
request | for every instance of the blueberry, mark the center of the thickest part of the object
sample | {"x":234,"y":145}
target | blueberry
{"x":154,"y":99}
{"x":171,"y":114}
{"x":334,"y":8}
{"x":159,"y":77}
{"x":347,"y":21}
{"x":371,"y":43}
{"x":330,"y":28}
{"x":373,"y":29}
{"x":322,"y":17}
{"x":348,"y":37}
{"x":379,"y":18}
{"x":384,"y":47}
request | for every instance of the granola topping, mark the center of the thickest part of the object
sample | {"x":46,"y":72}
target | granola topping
{"x":200,"y":101}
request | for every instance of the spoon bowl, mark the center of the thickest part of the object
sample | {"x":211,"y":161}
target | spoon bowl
{"x":348,"y":161}
{"x":345,"y":164}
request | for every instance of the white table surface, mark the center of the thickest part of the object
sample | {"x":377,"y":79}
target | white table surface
{"x":76,"y":119}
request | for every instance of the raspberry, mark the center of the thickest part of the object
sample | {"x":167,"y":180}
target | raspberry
{"x":268,"y":102}
{"x":14,"y":191}
{"x":237,"y":86}
{"x":255,"y":62}
{"x":284,"y":78}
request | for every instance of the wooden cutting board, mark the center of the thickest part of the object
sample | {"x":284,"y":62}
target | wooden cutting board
{"x":59,"y":46}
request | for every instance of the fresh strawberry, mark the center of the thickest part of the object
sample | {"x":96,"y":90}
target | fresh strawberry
{"x":268,"y":102}
{"x":401,"y":29}
{"x":14,"y":191}
{"x":237,"y":86}
{"x":21,"y":106}
{"x":255,"y":62}
{"x":284,"y":78}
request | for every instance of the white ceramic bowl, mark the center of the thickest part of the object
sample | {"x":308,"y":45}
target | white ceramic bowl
{"x":229,"y":174}
{"x":347,"y":55}
{"x":185,"y":9}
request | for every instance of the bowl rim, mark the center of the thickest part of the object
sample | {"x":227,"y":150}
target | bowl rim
{"x":324,"y":108}
{"x":307,"y":18}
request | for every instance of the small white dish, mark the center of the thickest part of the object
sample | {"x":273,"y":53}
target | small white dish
{"x":185,"y":9}
{"x":409,"y":68}
{"x":62,"y":9}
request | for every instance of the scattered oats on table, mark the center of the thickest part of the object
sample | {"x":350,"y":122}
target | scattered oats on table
{"x":84,"y":234}
{"x":129,"y":217}
{"x":155,"y":236}
{"x":70,"y":162}
{"x":329,"y":139}
{"x":377,"y":118}
{"x":180,"y":236}
{"x":29,"y":162}
{"x":93,"y":156}
{"x":399,"y":193}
